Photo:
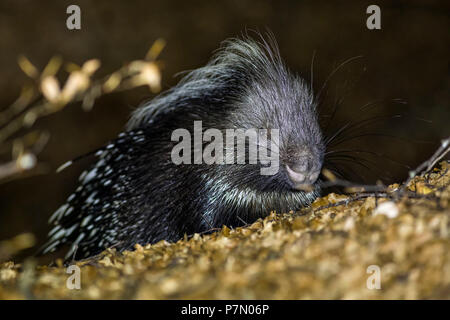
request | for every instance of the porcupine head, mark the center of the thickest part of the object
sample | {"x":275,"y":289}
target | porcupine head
{"x":231,"y":142}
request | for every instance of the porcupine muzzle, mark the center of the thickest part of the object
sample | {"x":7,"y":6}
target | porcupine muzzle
{"x":304,"y":171}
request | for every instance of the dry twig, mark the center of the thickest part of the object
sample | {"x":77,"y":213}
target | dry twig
{"x":46,"y":96}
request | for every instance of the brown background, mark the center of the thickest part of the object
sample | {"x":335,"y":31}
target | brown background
{"x":407,"y":59}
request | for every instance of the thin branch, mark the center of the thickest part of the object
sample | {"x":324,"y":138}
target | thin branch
{"x":46,"y":96}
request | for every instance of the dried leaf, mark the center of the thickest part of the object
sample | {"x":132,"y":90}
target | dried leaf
{"x":155,"y":49}
{"x":112,"y":83}
{"x":52,"y":67}
{"x":90,"y":66}
{"x":27,"y":67}
{"x":50,"y":88}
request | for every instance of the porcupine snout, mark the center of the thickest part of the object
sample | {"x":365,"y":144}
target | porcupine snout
{"x":303,"y":169}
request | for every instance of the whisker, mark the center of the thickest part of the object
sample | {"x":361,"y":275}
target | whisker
{"x":312,"y":71}
{"x":360,"y":162}
{"x":381,"y":155}
{"x":357,"y":123}
{"x":334,"y":72}
{"x":343,"y":168}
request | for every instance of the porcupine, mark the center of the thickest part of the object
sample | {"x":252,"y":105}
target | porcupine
{"x":135,"y":194}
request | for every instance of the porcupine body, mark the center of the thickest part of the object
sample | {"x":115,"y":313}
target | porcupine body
{"x":134,"y":193}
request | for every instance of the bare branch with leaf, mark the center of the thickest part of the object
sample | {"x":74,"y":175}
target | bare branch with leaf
{"x":45,"y":95}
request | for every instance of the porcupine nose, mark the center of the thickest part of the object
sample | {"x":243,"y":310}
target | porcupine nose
{"x":303,"y":172}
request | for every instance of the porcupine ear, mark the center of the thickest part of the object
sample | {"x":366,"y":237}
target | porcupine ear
{"x":79,"y":222}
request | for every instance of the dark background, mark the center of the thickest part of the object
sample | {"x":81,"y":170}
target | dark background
{"x":407,"y":58}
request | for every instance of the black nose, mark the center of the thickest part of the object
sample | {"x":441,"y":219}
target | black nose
{"x":303,"y":172}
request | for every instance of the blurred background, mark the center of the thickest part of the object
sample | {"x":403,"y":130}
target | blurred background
{"x":407,"y":59}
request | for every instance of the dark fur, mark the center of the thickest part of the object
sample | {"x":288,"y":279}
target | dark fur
{"x":135,"y":194}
